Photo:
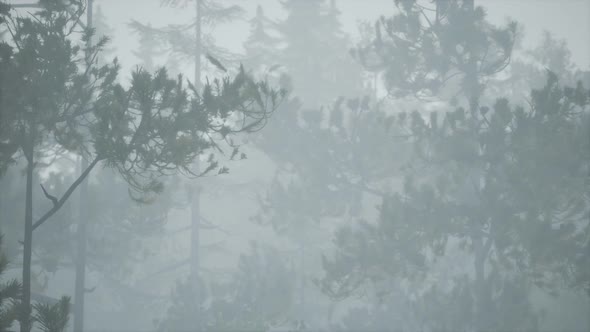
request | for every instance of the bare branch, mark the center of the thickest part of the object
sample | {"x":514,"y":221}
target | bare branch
{"x":52,"y":198}
{"x":67,"y":194}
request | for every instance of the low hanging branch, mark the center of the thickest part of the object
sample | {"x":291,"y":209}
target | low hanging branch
{"x":57,"y":204}
{"x":52,"y":198}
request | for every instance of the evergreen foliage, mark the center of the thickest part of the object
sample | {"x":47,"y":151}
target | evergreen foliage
{"x":53,"y":317}
{"x":247,"y":301}
{"x":261,"y":46}
{"x":419,"y":52}
{"x":55,"y":97}
{"x":495,"y":191}
{"x":180,"y":39}
{"x":469,"y":211}
{"x":9,"y":294}
{"x":316,"y":53}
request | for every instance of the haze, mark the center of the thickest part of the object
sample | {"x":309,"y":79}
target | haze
{"x":294,"y":165}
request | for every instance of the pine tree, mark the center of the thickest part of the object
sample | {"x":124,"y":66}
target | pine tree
{"x":261,"y":46}
{"x":194,"y":46}
{"x":440,"y":214}
{"x":149,"y":46}
{"x":103,"y":29}
{"x":192,"y":42}
{"x":316,"y":53}
{"x":422,"y":50}
{"x":48,"y":103}
{"x":118,"y":238}
{"x":421,"y":53}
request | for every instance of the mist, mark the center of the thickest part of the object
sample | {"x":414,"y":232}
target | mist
{"x":294,"y":165}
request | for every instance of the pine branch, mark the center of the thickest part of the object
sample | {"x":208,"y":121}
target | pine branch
{"x":216,"y":63}
{"x":52,"y":198}
{"x":67,"y":194}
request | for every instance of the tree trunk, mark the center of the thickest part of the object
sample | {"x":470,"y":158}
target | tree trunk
{"x":472,"y":82}
{"x":482,"y":286}
{"x":2,"y":213}
{"x":194,"y":262}
{"x":302,"y":270}
{"x":195,"y":204}
{"x":198,"y":44}
{"x":479,"y":291}
{"x":437,"y":12}
{"x":303,"y":285}
{"x":25,"y":325}
{"x":81,"y":253}
{"x":80,"y":285}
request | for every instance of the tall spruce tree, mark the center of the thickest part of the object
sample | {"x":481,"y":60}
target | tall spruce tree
{"x":194,"y":46}
{"x":149,"y":48}
{"x":316,"y":53}
{"x":194,"y":41}
{"x":261,"y":46}
{"x":100,"y":24}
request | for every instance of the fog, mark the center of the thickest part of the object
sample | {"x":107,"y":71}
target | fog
{"x":294,"y":165}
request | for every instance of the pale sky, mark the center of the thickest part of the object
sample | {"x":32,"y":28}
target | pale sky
{"x":569,"y":19}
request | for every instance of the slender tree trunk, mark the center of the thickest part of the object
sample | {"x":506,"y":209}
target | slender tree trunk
{"x":81,"y":237}
{"x":194,"y":264}
{"x":302,"y":270}
{"x":479,"y":265}
{"x":25,"y":325}
{"x":2,"y":190}
{"x":81,"y":232}
{"x":303,"y":285}
{"x":473,"y":93}
{"x":437,"y":9}
{"x":483,"y":321}
{"x":472,"y":82}
{"x":196,"y":192}
{"x":198,"y":43}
